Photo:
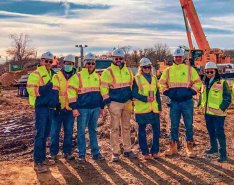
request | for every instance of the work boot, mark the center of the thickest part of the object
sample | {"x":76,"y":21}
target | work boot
{"x":40,"y":168}
{"x":155,"y":155}
{"x":172,"y":150}
{"x":98,"y":157}
{"x":54,"y":157}
{"x":115,"y":157}
{"x":147,"y":156}
{"x":222,"y":158}
{"x":189,"y":149}
{"x":69,"y":157}
{"x":130,"y":155}
{"x":81,"y":159}
{"x":48,"y":162}
{"x":211,"y":151}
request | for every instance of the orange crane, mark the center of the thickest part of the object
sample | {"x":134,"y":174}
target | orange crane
{"x":199,"y":57}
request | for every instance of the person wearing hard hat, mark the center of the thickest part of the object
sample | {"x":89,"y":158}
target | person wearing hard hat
{"x":39,"y":87}
{"x":147,"y":106}
{"x":63,"y":114}
{"x":87,"y":105}
{"x":116,"y":90}
{"x":215,"y":99}
{"x":180,"y":82}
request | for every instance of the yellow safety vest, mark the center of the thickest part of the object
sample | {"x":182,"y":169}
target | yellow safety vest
{"x":114,"y":78}
{"x":177,"y":76}
{"x":214,"y":99}
{"x":60,"y":83}
{"x":145,"y":87}
{"x":37,"y":78}
{"x":82,"y":83}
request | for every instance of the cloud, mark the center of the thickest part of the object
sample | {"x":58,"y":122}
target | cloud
{"x":34,"y":7}
{"x":60,"y":25}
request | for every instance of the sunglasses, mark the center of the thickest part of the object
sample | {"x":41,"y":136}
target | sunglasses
{"x":146,"y":67}
{"x":48,"y":61}
{"x":210,"y":72}
{"x":119,"y":59}
{"x":90,"y":63}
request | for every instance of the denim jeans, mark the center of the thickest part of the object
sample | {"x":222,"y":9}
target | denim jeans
{"x":178,"y":109}
{"x":142,"y":138}
{"x":215,"y":127}
{"x":43,"y":119}
{"x":87,"y":118}
{"x":65,"y":118}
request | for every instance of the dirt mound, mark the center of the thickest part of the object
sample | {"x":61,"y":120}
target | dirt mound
{"x":10,"y":78}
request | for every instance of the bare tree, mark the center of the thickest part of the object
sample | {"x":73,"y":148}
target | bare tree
{"x":20,"y":51}
{"x":158,"y":53}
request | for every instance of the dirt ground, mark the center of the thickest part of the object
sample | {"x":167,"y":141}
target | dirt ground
{"x":16,"y":147}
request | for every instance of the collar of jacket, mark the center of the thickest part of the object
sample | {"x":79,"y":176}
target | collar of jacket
{"x":183,"y":64}
{"x":216,"y":78}
{"x":71,"y":72}
{"x":115,"y":67}
{"x":41,"y":67}
{"x":85,"y":70}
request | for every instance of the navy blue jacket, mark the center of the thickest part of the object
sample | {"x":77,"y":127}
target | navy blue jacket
{"x":88,"y":100}
{"x":46,"y":94}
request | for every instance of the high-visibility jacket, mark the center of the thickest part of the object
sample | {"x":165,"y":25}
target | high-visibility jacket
{"x":145,"y":87}
{"x":177,"y":81}
{"x":211,"y":101}
{"x":60,"y":83}
{"x":84,"y":90}
{"x":116,"y":84}
{"x":39,"y":77}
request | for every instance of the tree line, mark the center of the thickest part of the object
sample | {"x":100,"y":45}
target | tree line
{"x":21,"y":53}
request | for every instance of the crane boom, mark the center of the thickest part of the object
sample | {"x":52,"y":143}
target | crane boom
{"x":191,"y":14}
{"x":204,"y":52}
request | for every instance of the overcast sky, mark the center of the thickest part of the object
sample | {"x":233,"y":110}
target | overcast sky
{"x":59,"y":25}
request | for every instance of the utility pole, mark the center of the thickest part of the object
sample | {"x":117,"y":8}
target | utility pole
{"x":81,"y":52}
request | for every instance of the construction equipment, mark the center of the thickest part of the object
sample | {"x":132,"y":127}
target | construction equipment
{"x":199,"y":57}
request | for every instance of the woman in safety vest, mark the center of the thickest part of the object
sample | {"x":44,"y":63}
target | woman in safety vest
{"x":147,"y":106}
{"x":215,"y":99}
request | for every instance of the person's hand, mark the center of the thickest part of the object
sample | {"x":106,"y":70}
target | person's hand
{"x":150,"y":99}
{"x":160,"y":113}
{"x":101,"y":113}
{"x":75,"y":113}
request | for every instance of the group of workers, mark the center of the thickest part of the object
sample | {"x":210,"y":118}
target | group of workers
{"x":60,"y":97}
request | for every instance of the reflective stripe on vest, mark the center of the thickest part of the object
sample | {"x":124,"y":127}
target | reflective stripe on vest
{"x":214,"y":99}
{"x":144,"y":88}
{"x":83,"y":90}
{"x":63,"y":90}
{"x":44,"y":77}
{"x":179,"y":84}
{"x":116,"y":85}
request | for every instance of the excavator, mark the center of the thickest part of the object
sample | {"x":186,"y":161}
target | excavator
{"x":199,"y":57}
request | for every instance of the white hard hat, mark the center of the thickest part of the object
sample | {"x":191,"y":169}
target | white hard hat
{"x":47,"y":55}
{"x":145,"y":62}
{"x":70,"y":58}
{"x":211,"y":65}
{"x":89,"y":56}
{"x":179,"y":52}
{"x":118,"y":53}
